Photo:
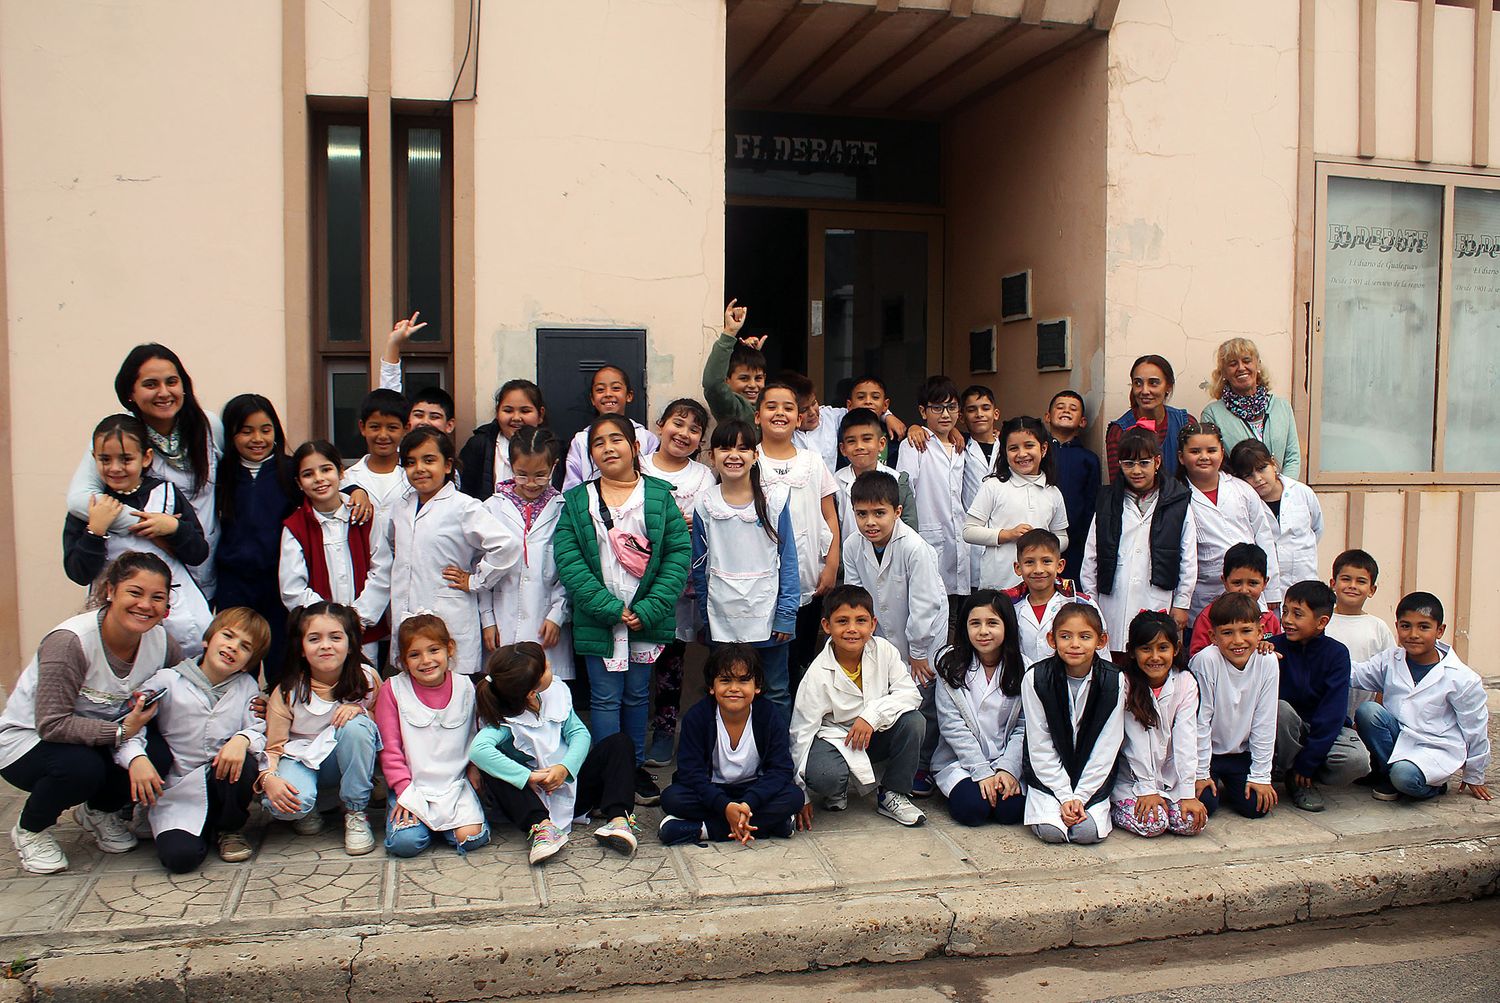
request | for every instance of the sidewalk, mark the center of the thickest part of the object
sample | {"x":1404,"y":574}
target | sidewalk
{"x":289,"y":923}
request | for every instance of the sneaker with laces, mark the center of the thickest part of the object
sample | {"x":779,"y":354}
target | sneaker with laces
{"x":233,"y":847}
{"x":675,"y":831}
{"x":899,"y":807}
{"x":619,"y":834}
{"x":646,"y":791}
{"x":38,"y":851}
{"x":108,"y":829}
{"x":308,"y":825}
{"x":139,"y":822}
{"x":358,"y":839}
{"x":546,"y":840}
{"x":1305,"y":798}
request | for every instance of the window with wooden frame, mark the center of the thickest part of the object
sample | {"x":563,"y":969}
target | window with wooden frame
{"x":422,"y":147}
{"x":1404,"y":377}
{"x":341,"y":278}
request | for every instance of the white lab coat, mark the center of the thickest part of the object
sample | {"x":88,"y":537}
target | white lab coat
{"x":823,"y":440}
{"x":1444,"y":718}
{"x":981,"y":731}
{"x":412,"y":546}
{"x":195,"y":728}
{"x":976,"y":469}
{"x":1298,"y":529}
{"x":1237,"y":710}
{"x":1021,"y":500}
{"x":1034,"y":630}
{"x":828,"y":702}
{"x":205,"y":504}
{"x":530,"y":591}
{"x":1043,"y":808}
{"x":1133,"y":590}
{"x":807,"y":482}
{"x":937,"y":478}
{"x":385,"y":490}
{"x":911,"y":608}
{"x":579,"y":465}
{"x":189,"y":616}
{"x":1162,"y":760}
{"x":1239,"y":517}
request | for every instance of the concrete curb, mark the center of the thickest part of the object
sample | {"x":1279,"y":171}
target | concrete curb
{"x":499,"y":960}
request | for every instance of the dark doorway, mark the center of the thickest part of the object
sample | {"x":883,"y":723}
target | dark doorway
{"x":765,"y":268}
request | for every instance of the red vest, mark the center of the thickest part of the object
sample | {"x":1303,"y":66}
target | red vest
{"x":304,"y":527}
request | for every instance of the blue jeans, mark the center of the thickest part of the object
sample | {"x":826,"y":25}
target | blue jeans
{"x":1378,"y":729}
{"x":774,"y":659}
{"x":620,"y":701}
{"x":412,"y":839}
{"x":350,"y":767}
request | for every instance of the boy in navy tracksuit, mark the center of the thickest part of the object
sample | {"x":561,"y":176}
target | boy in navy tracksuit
{"x":1077,"y":471}
{"x":1313,"y":742}
{"x":734,"y":776}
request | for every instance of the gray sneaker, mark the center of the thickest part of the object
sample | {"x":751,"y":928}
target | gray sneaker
{"x":1305,"y":798}
{"x":899,"y":807}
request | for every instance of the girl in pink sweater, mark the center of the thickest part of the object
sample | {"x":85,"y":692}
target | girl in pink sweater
{"x":426,"y":719}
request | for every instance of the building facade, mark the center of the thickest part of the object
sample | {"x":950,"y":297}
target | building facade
{"x":265,"y":187}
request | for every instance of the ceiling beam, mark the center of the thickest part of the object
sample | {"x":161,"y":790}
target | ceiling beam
{"x":793,"y":19}
{"x":1104,"y":14}
{"x":1004,"y":37}
{"x":825,"y":62}
{"x":910,"y":51}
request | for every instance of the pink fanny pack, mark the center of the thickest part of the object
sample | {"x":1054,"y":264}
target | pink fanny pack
{"x":632,"y":550}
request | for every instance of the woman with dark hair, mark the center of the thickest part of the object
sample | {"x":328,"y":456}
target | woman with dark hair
{"x":186,"y":444}
{"x":1151,"y":384}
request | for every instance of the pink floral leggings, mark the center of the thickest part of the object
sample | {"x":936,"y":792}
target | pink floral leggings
{"x":1156,"y":823}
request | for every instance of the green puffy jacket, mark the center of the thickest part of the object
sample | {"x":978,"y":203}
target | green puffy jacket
{"x":595,"y":609}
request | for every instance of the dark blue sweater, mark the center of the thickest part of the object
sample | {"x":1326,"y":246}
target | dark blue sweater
{"x":1078,"y":480}
{"x":698,"y":733}
{"x":1315,"y":681}
{"x":250,"y":543}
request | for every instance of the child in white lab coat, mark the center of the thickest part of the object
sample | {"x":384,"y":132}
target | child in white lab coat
{"x":1154,"y":790}
{"x":937,"y":477}
{"x":1018,"y":497}
{"x":206,"y":718}
{"x":529,"y":603}
{"x":1073,"y":704}
{"x":436,"y":550}
{"x":1042,"y":592}
{"x":1433,"y":721}
{"x":1296,"y":515}
{"x":977,"y":764}
{"x":1226,"y":511}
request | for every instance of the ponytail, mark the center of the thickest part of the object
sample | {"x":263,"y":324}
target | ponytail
{"x":510,"y":675}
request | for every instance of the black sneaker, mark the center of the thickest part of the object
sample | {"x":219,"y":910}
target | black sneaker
{"x":1383,"y":790}
{"x":1305,"y":798}
{"x":646,"y":791}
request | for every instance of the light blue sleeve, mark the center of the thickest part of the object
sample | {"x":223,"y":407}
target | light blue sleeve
{"x":789,"y":591}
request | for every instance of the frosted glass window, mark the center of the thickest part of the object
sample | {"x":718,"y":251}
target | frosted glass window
{"x":1470,"y":439}
{"x":1379,"y":377}
{"x":424,"y":229}
{"x":345,"y":221}
{"x":348,"y":382}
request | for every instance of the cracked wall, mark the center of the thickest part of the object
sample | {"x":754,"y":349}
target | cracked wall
{"x":1202,"y":179}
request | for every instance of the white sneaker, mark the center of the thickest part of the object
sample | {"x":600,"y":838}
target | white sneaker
{"x":39,"y":852}
{"x":308,"y":825}
{"x":140,"y":822}
{"x":108,"y":829}
{"x":358,"y":839}
{"x":899,"y":807}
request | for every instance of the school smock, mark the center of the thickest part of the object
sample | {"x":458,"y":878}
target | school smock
{"x":435,"y":746}
{"x":385,"y":490}
{"x":1298,"y":526}
{"x":1133,"y":589}
{"x":977,"y":467}
{"x":1034,"y":629}
{"x":701,"y":734}
{"x":981,"y":730}
{"x":100,"y":695}
{"x":828,"y":702}
{"x":911,"y":601}
{"x":311,"y":736}
{"x":535,"y":740}
{"x":1162,"y":760}
{"x":1019,"y":500}
{"x":1084,"y":712}
{"x":807,"y":482}
{"x":413,"y":545}
{"x":1237,"y":710}
{"x":937,"y":477}
{"x":204,"y":501}
{"x":1444,"y":718}
{"x":687,"y":484}
{"x":530,"y":592}
{"x":746,"y":584}
{"x":843,"y":478}
{"x":195,"y":726}
{"x":85,"y":556}
{"x":579,"y":465}
{"x":1239,"y":517}
{"x":823,"y":440}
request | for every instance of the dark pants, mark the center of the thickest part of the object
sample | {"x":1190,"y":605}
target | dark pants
{"x":806,"y":642}
{"x":181,"y":851}
{"x":666,"y":687}
{"x":606,"y":781}
{"x":969,"y":807}
{"x":60,"y":776}
{"x":898,"y":747}
{"x":261,"y":593}
{"x":773,"y":819}
{"x":1231,"y":772}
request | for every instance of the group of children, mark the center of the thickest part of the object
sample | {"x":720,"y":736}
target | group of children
{"x":425,"y":610}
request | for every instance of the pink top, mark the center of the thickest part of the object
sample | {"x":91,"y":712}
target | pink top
{"x":388,"y":720}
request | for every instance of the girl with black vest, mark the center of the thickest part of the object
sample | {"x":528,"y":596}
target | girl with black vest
{"x":1142,"y":549}
{"x":1074,"y":707}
